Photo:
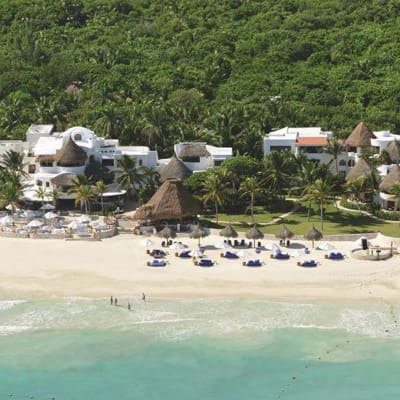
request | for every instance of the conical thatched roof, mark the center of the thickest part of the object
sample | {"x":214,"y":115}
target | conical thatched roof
{"x":360,"y":137}
{"x":167,"y":233}
{"x":70,"y":155}
{"x":284,"y":234}
{"x":393,"y":150}
{"x":390,"y":179}
{"x":198,"y":232}
{"x":228,"y":232}
{"x":313,"y":234}
{"x":361,"y":168}
{"x":254,"y":233}
{"x":172,"y":201}
{"x":194,"y":150}
{"x":98,"y":172}
{"x":175,"y":169}
{"x":63,"y":179}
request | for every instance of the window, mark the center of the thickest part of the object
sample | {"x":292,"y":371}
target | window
{"x":191,"y":159}
{"x":78,"y":136}
{"x":31,"y":168}
{"x":46,"y":163}
{"x":107,"y":162}
{"x":140,"y":162}
{"x":217,"y":163}
{"x":47,"y":184}
{"x":350,"y":163}
{"x":312,"y":149}
{"x":342,"y":163}
{"x":279,"y":148}
{"x":39,"y":183}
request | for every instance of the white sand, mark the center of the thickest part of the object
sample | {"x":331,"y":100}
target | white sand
{"x":117,"y":267}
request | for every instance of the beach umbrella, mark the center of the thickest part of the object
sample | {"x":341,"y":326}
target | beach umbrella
{"x":84,"y":219}
{"x":47,"y":207}
{"x":273,"y":247}
{"x":7,"y":220}
{"x":198,"y":233}
{"x":228,"y":232}
{"x":29,"y":214}
{"x":284,"y":233}
{"x":50,"y":215}
{"x":196,"y":253}
{"x":177,"y":246}
{"x":74,"y":225}
{"x":254,"y":234}
{"x":313,"y":234}
{"x":325,"y":246}
{"x":11,"y":207}
{"x":167,"y":233}
{"x":35,"y":223}
{"x":222,"y":246}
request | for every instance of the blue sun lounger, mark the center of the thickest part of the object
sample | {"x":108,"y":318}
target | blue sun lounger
{"x":253,"y":263}
{"x":184,"y":254}
{"x":335,"y":256}
{"x":205,"y":262}
{"x":230,"y":255}
{"x":157,"y":263}
{"x":307,"y":263}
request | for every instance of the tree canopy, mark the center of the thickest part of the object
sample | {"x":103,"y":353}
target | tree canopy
{"x":224,"y":71}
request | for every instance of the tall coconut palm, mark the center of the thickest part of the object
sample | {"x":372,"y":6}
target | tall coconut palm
{"x":14,"y":161}
{"x":41,"y":194}
{"x":307,"y":173}
{"x":101,"y":188}
{"x":129,"y":174}
{"x":320,"y":191}
{"x":334,"y":148}
{"x":214,"y":190}
{"x":83,"y":195}
{"x":250,"y":187}
{"x":11,"y":192}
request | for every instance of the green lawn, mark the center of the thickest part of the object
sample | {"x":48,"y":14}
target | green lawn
{"x":335,"y":222}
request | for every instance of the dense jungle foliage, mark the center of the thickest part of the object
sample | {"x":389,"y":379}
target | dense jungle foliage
{"x":224,"y":71}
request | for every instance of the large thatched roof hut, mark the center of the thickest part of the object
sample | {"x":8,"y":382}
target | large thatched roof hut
{"x":360,"y":137}
{"x":190,"y":150}
{"x":393,"y":150}
{"x":175,"y":169}
{"x":172,"y":201}
{"x":70,"y":155}
{"x":361,"y":168}
{"x":390,"y":179}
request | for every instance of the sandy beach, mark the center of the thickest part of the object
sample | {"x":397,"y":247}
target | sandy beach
{"x":117,"y":266}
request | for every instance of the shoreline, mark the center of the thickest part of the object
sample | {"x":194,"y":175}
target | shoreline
{"x":117,"y":266}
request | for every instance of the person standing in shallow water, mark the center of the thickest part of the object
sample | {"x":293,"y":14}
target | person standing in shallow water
{"x":129,"y":306}
{"x":115,"y":301}
{"x":143,"y":297}
{"x":111,"y":300}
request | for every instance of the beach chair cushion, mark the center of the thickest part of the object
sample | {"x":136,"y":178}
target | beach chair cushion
{"x":205,"y":262}
{"x":254,"y":263}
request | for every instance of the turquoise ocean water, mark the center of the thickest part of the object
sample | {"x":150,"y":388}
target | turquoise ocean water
{"x":77,"y":349}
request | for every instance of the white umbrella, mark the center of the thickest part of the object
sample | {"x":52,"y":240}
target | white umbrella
{"x":47,"y":207}
{"x":325,"y":246}
{"x":50,"y":215}
{"x":74,"y":225}
{"x":35,"y":223}
{"x":272,"y":247}
{"x":10,"y":207}
{"x":29,"y":214}
{"x":222,"y":245}
{"x":83,"y":219}
{"x":177,"y":246}
{"x":7,"y":220}
{"x":196,"y":253}
{"x":147,"y":243}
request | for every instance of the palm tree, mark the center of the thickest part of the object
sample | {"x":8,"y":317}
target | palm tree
{"x":214,"y":190}
{"x":354,"y":188}
{"x":395,"y":190}
{"x":14,"y":161}
{"x":334,"y":148}
{"x":11,"y":193}
{"x":83,"y":195}
{"x":307,"y":173}
{"x":54,"y":194}
{"x":101,"y":188}
{"x":320,"y":191}
{"x":129,"y":175}
{"x":251,"y":187}
{"x":41,"y":194}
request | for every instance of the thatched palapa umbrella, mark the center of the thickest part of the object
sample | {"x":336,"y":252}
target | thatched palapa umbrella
{"x":313,"y":234}
{"x":198,"y":233}
{"x":167,"y":233}
{"x":284,"y":233}
{"x":254,"y":234}
{"x":228,"y":232}
{"x":175,"y":169}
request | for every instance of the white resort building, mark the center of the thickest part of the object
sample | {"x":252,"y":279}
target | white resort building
{"x":55,"y":159}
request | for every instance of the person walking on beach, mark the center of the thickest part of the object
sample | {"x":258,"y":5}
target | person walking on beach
{"x":143,"y":297}
{"x":129,"y":306}
{"x":111,"y":300}
{"x":115,"y":301}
